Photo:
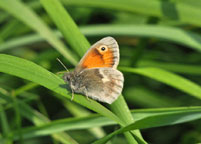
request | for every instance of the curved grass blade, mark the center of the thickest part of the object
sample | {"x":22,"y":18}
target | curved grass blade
{"x":97,"y":120}
{"x":178,"y":68}
{"x":72,"y":107}
{"x":182,"y":11}
{"x":66,"y":25}
{"x":177,"y":35}
{"x":72,"y":33}
{"x":5,"y":125}
{"x":183,"y":37}
{"x":148,"y":98}
{"x":178,"y":11}
{"x":37,"y":119}
{"x":154,"y":121}
{"x":120,"y":108}
{"x":168,"y":78}
{"x":26,"y":15}
{"x":30,"y":71}
{"x":79,"y":111}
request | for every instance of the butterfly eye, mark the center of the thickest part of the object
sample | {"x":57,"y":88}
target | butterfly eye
{"x":68,"y":78}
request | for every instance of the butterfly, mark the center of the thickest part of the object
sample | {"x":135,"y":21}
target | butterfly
{"x":96,"y":75}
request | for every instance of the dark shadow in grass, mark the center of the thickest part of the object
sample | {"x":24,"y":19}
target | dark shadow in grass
{"x":169,"y":10}
{"x":66,"y":86}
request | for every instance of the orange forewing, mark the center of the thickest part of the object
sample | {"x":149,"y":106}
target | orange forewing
{"x":95,"y":59}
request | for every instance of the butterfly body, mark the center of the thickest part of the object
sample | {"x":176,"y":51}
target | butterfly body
{"x":96,"y":75}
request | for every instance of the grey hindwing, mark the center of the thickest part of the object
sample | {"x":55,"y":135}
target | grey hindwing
{"x":103,"y":84}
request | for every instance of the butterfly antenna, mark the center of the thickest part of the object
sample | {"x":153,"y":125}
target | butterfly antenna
{"x":62,"y":64}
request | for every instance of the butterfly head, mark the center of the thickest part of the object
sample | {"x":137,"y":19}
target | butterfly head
{"x":68,"y":77}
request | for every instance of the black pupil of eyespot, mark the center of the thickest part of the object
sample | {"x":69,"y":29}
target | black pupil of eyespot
{"x":103,"y":48}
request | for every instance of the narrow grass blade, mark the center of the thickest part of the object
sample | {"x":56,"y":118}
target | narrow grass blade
{"x":8,"y":29}
{"x":66,"y":25}
{"x":154,"y":121}
{"x":178,"y":68}
{"x":75,"y":109}
{"x":73,"y":37}
{"x":186,"y":114}
{"x":30,"y":71}
{"x":180,"y":36}
{"x":168,"y":78}
{"x":37,"y":119}
{"x":26,"y":15}
{"x":178,"y":11}
{"x":79,"y":111}
{"x":148,"y":98}
{"x":5,"y":125}
{"x":190,"y":39}
{"x":120,"y":108}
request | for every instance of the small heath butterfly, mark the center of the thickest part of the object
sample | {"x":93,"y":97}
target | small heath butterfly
{"x":96,"y":76}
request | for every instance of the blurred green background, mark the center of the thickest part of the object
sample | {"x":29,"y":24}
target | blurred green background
{"x":162,"y":34}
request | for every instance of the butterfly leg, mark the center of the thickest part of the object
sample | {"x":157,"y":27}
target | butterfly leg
{"x":72,"y":95}
{"x":84,"y":89}
{"x":58,"y":73}
{"x":87,"y":96}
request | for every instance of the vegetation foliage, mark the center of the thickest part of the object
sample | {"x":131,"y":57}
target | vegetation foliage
{"x":160,"y":45}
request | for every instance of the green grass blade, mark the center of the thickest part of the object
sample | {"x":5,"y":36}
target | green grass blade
{"x":26,"y":15}
{"x":17,"y":42}
{"x":154,"y":121}
{"x":74,"y":109}
{"x":178,"y":68}
{"x":79,"y":111}
{"x":66,"y":25}
{"x":75,"y":38}
{"x":148,"y":98}
{"x":184,"y":11}
{"x":177,"y":35}
{"x":156,"y":38}
{"x":5,"y":125}
{"x":30,"y":71}
{"x":178,"y":11}
{"x":120,"y":108}
{"x":97,"y":120}
{"x":180,"y":36}
{"x":37,"y":119}
{"x":8,"y":29}
{"x":168,"y":78}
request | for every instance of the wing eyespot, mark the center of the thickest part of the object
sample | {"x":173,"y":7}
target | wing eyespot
{"x":102,"y":48}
